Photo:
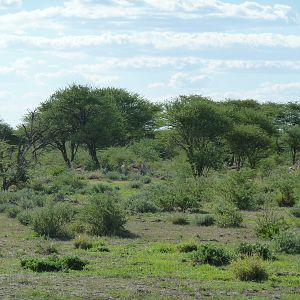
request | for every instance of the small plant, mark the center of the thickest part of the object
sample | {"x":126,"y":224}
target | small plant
{"x":212,"y":255}
{"x":25,"y":217}
{"x":163,"y":248}
{"x":136,"y":185}
{"x":288,"y":242}
{"x":296,"y":211}
{"x":102,"y":188}
{"x":53,"y":263}
{"x":12,"y":211}
{"x":251,"y":268}
{"x":83,"y":242}
{"x":46,"y":248}
{"x":287,"y":196}
{"x":228,"y":215}
{"x":140,"y":204}
{"x":147,"y":180}
{"x":103,"y":216}
{"x":113,"y":175}
{"x":270,"y":224}
{"x":187,"y":247}
{"x":261,"y":250}
{"x":205,"y":220}
{"x":180,"y":220}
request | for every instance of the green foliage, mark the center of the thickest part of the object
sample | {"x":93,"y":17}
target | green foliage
{"x":288,"y":242}
{"x":270,"y":224}
{"x":180,"y":220}
{"x":103,"y":216}
{"x":250,"y":249}
{"x":25,"y":217}
{"x":228,"y":215}
{"x":187,"y":247}
{"x":53,"y":263}
{"x":212,"y":255}
{"x":199,"y":125}
{"x":205,"y":220}
{"x":12,"y":211}
{"x":141,"y":204}
{"x":241,"y":189}
{"x":83,"y":242}
{"x":45,"y":247}
{"x":287,"y":196}
{"x":296,"y":211}
{"x":293,"y":140}
{"x":52,"y":219}
{"x":251,"y":268}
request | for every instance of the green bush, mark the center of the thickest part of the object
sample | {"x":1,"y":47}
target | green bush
{"x":205,"y":220}
{"x":45,"y":247}
{"x":187,"y":247}
{"x":251,"y":268}
{"x":102,"y":188}
{"x":296,"y":211}
{"x":139,"y":204}
{"x":180,"y":220}
{"x":136,"y":185}
{"x":12,"y":211}
{"x":241,"y":189}
{"x":52,"y":219}
{"x":83,"y":242}
{"x":261,"y":250}
{"x":212,"y":255}
{"x":287,"y":197}
{"x":67,"y":183}
{"x":113,"y":175}
{"x":53,"y":263}
{"x":103,"y":216}
{"x":288,"y":242}
{"x":228,"y":215}
{"x":270,"y":224}
{"x":25,"y":217}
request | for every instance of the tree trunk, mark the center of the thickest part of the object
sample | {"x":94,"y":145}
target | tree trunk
{"x":63,"y":149}
{"x":93,"y":153}
{"x":294,"y":155}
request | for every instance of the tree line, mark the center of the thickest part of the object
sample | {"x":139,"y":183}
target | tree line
{"x":231,"y":133}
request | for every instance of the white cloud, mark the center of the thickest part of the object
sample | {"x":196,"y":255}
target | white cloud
{"x":8,"y":3}
{"x":215,"y":8}
{"x":19,"y":67}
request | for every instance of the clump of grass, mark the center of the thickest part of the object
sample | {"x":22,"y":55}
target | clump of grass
{"x":288,"y":242}
{"x":12,"y":211}
{"x":187,"y":247}
{"x":83,"y":242}
{"x":228,"y":215}
{"x":205,"y":220}
{"x":261,"y":250}
{"x":180,"y":220}
{"x":296,"y":211}
{"x":46,"y":248}
{"x":250,"y":268}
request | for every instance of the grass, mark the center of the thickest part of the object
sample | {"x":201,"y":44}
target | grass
{"x":149,"y":265}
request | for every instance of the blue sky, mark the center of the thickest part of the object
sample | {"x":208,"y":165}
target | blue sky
{"x":158,"y":48}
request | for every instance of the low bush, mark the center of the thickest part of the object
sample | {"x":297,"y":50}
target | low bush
{"x":187,"y":247}
{"x":101,"y":188}
{"x":140,"y":204}
{"x":205,"y":220}
{"x":83,"y":242}
{"x":261,"y":250}
{"x":136,"y":185}
{"x":12,"y":211}
{"x":52,"y":219}
{"x":228,"y":215}
{"x":25,"y":217}
{"x":296,"y":211}
{"x":270,"y":224}
{"x":53,"y":263}
{"x":288,"y":242}
{"x":287,"y":197}
{"x":113,"y":175}
{"x":180,"y":220}
{"x":45,"y":247}
{"x":103,"y":216}
{"x":212,"y":255}
{"x":251,"y":268}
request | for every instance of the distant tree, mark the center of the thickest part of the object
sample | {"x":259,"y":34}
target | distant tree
{"x":199,"y":126}
{"x":248,"y":142}
{"x":293,"y":140}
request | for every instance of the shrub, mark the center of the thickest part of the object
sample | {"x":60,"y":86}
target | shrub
{"x":212,"y":255}
{"x":228,"y":215}
{"x":147,"y":180}
{"x":113,"y":175}
{"x":83,"y":242}
{"x":136,"y":185}
{"x":288,"y":242}
{"x":251,"y":268}
{"x":261,"y":250}
{"x":287,"y":196}
{"x":67,"y":182}
{"x":52,"y":219}
{"x":103,"y":216}
{"x":187,"y":247}
{"x":296,"y":211}
{"x":12,"y":211}
{"x":140,"y":204}
{"x":270,"y":224}
{"x":102,"y":188}
{"x":205,"y":220}
{"x":180,"y":220}
{"x":25,"y":217}
{"x":53,"y":263}
{"x":46,"y":248}
{"x":241,"y":189}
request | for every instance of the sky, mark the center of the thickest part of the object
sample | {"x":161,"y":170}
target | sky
{"x":224,"y":49}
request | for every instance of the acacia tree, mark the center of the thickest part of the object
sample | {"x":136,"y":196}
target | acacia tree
{"x":199,"y":126}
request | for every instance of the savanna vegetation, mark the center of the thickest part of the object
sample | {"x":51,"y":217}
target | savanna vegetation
{"x":106,"y":195}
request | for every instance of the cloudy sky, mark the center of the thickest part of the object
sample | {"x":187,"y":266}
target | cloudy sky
{"x":159,"y":48}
